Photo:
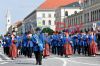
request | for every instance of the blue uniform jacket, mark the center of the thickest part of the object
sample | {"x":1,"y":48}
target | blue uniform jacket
{"x":55,"y":39}
{"x":4,"y":42}
{"x":8,"y":41}
{"x":37,"y":43}
{"x":30,"y":43}
{"x":25,"y":41}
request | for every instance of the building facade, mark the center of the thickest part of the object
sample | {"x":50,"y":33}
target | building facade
{"x":75,"y":21}
{"x":89,"y":17}
{"x":63,"y":12}
{"x":44,"y":15}
{"x":16,"y":27}
{"x":91,"y":13}
{"x":40,"y":18}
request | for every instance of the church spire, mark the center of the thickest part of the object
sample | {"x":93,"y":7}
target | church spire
{"x":8,"y":19}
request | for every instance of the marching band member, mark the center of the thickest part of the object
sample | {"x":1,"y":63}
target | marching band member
{"x":67,"y":46}
{"x":46,"y":51}
{"x":13,"y":48}
{"x":93,"y":45}
{"x":24,"y":44}
{"x":29,"y":45}
{"x":38,"y":48}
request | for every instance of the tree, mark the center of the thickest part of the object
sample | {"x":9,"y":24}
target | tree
{"x":37,"y":29}
{"x":48,"y":30}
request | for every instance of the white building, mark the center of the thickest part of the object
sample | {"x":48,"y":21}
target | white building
{"x":44,"y":15}
{"x":40,"y":18}
{"x":65,"y":11}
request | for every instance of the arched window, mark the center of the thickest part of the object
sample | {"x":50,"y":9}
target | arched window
{"x":75,"y":12}
{"x":66,"y":13}
{"x":49,"y":22}
{"x":43,"y":22}
{"x":49,"y":15}
{"x":43,"y":15}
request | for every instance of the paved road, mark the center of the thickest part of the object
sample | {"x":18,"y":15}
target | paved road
{"x":53,"y":60}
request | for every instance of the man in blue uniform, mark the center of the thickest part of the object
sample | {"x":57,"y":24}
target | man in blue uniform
{"x":38,"y":48}
{"x":29,"y":45}
{"x":61,"y":44}
{"x":19,"y":44}
{"x":24,"y":44}
{"x":54,"y":43}
{"x":4,"y":43}
{"x":75,"y":43}
{"x":8,"y":43}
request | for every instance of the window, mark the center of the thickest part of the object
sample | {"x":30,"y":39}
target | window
{"x":81,"y":19}
{"x":84,"y":18}
{"x":91,"y":16}
{"x":72,"y":21}
{"x":43,"y":22}
{"x":49,"y":15}
{"x":66,"y":13}
{"x":75,"y":12}
{"x":88,"y":17}
{"x":49,"y":22}
{"x":54,"y":15}
{"x":92,"y":2}
{"x":99,"y":14}
{"x":76,"y":20}
{"x":8,"y":21}
{"x":43,"y":15}
{"x":95,"y":15}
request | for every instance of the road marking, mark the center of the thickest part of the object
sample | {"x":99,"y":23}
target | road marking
{"x":65,"y":62}
{"x":83,"y":63}
{"x":3,"y":62}
{"x":0,"y":59}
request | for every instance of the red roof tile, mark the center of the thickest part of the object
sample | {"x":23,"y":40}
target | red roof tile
{"x":52,"y":4}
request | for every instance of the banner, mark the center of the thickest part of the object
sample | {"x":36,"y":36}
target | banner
{"x":94,"y":26}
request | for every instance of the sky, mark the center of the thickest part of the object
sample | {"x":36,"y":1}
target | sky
{"x":18,"y":9}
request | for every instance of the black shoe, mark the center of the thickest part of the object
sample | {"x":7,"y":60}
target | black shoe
{"x":40,"y":63}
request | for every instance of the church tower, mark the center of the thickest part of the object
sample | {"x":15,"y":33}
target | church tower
{"x":8,"y":20}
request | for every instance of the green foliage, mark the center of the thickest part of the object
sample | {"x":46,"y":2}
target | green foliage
{"x":37,"y":29}
{"x":48,"y":30}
